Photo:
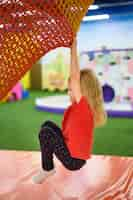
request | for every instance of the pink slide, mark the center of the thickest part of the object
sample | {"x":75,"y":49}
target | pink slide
{"x":103,"y":178}
{"x":17,"y":90}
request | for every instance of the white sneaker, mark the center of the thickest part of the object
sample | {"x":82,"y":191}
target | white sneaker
{"x":42,"y":175}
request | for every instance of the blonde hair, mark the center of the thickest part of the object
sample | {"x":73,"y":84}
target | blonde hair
{"x":92,"y":90}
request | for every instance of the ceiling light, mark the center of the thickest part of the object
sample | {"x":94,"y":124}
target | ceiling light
{"x":96,"y":17}
{"x":93,"y":7}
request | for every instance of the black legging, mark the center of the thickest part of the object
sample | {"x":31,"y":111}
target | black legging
{"x":52,"y":142}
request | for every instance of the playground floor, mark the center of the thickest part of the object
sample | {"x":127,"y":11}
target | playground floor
{"x":58,"y":103}
{"x":103,"y":178}
{"x":20,"y":123}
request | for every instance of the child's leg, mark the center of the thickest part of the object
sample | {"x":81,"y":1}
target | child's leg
{"x":47,"y":148}
{"x":52,"y":141}
{"x":60,"y":149}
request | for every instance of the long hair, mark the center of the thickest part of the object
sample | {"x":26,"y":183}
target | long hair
{"x":92,"y":90}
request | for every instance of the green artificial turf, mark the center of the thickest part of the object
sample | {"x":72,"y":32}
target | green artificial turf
{"x":20,"y":122}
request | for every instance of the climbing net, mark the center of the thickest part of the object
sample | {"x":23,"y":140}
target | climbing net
{"x":31,"y":28}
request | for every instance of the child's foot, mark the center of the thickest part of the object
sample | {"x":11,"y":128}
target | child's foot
{"x":42,"y":175}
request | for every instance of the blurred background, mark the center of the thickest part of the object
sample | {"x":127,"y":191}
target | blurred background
{"x":105,"y":45}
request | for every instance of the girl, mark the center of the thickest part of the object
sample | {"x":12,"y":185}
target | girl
{"x":72,"y":144}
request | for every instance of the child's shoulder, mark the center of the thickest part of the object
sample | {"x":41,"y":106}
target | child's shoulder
{"x":83,"y":107}
{"x":83,"y":102}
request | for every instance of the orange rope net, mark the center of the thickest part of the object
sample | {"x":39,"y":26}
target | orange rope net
{"x":31,"y":28}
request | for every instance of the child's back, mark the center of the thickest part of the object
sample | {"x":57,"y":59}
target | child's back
{"x":77,"y":128}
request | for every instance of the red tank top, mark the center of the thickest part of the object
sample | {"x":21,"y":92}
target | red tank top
{"x":77,"y":128}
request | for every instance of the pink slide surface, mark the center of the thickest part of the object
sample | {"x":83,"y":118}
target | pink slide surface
{"x":103,"y":178}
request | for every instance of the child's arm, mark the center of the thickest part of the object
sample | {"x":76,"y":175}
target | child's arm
{"x":74,"y":68}
{"x":75,"y":72}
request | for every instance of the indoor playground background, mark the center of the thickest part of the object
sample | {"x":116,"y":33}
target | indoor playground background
{"x":34,"y":71}
{"x":104,"y":46}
